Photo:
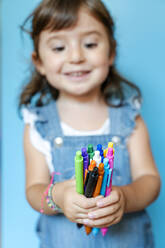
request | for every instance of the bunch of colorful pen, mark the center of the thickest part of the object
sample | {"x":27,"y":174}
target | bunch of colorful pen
{"x":93,"y":171}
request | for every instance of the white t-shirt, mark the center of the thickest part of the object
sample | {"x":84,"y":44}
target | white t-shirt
{"x":44,"y":146}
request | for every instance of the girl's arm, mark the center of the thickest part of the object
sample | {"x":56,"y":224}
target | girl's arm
{"x":146,"y":180}
{"x":75,"y":206}
{"x":141,"y":192}
{"x":37,"y":175}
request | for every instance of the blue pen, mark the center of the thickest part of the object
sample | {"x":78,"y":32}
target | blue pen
{"x":95,"y":230}
{"x":99,"y":148}
{"x":105,"y":178}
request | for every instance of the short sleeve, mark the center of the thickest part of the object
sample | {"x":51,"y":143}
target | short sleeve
{"x":131,"y":109}
{"x":42,"y":145}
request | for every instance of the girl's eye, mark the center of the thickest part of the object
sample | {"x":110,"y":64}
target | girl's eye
{"x":58,"y":49}
{"x":91,"y":45}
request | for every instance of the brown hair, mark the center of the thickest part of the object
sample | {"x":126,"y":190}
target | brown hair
{"x":59,"y":14}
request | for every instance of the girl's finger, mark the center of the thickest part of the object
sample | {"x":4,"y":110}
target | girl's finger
{"x":81,"y":216}
{"x":80,"y":210}
{"x":115,"y":221}
{"x":109,"y":200}
{"x":102,"y":222}
{"x":85,"y":203}
{"x":102,"y":212}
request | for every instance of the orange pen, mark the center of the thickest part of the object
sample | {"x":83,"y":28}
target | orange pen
{"x":97,"y":191}
{"x":99,"y":181}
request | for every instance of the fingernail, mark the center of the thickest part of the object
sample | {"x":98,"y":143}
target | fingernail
{"x":100,"y":204}
{"x":91,"y":215}
{"x":85,"y":221}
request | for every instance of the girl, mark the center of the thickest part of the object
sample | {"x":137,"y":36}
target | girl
{"x":76,"y":97}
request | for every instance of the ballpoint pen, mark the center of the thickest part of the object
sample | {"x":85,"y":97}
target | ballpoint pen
{"x":98,"y":187}
{"x":85,"y":159}
{"x":95,"y":230}
{"x":110,"y":157}
{"x":87,"y":173}
{"x":99,"y":148}
{"x":79,"y":175}
{"x":90,"y":152}
{"x":97,"y":157}
{"x":90,"y":187}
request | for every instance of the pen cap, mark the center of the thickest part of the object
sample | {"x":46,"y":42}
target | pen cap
{"x":97,"y":158}
{"x":105,"y":152}
{"x":84,"y":151}
{"x":90,"y":169}
{"x":97,"y":154}
{"x":90,"y":152}
{"x":90,"y":148}
{"x":101,"y":169}
{"x":92,"y":165}
{"x":110,"y":152}
{"x":85,"y":154}
{"x":110,"y":144}
{"x":79,"y":172}
{"x":99,"y":148}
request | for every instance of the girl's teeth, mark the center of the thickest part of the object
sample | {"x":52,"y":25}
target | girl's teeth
{"x":77,"y":74}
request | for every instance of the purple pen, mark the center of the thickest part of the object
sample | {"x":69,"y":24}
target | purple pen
{"x":85,"y":159}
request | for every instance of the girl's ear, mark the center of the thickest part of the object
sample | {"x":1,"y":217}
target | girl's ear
{"x":38,"y":63}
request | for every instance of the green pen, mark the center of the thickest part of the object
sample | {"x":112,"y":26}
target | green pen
{"x":79,"y":172}
{"x":90,"y":152}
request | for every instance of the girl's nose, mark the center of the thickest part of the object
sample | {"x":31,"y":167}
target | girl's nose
{"x":76,"y":55}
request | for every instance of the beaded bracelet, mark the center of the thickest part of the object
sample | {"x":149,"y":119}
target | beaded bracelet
{"x":48,"y":195}
{"x":50,"y":201}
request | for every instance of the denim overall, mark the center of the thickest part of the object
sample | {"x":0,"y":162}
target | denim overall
{"x":134,"y":230}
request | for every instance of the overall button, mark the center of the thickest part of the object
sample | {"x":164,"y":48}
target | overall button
{"x":58,"y":142}
{"x":116,"y":140}
{"x":137,"y":103}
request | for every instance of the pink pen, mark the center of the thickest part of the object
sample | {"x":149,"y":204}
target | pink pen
{"x":110,"y":156}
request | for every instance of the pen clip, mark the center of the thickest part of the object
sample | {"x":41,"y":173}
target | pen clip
{"x":109,"y":177}
{"x":111,"y":162}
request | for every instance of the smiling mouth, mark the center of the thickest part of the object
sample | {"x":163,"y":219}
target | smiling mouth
{"x":77,"y":73}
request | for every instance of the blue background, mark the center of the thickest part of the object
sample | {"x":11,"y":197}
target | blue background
{"x":141,"y":52}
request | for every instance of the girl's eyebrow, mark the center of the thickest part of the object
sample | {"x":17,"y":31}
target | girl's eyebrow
{"x":92,"y":32}
{"x":63,"y":36}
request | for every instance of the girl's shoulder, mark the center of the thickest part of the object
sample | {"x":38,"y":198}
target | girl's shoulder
{"x":132,"y":97}
{"x":124,"y":116}
{"x":32,"y":113}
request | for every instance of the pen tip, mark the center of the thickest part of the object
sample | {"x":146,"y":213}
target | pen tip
{"x":103,"y":232}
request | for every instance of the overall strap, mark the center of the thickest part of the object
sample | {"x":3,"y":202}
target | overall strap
{"x":48,"y":123}
{"x":115,"y":115}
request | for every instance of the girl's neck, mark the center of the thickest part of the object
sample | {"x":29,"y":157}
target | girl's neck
{"x":92,"y":98}
{"x":87,"y":112}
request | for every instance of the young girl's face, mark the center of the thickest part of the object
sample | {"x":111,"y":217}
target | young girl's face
{"x":75,"y":60}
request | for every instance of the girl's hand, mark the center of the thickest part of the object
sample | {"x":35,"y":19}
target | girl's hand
{"x":110,"y":212}
{"x":75,"y":206}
